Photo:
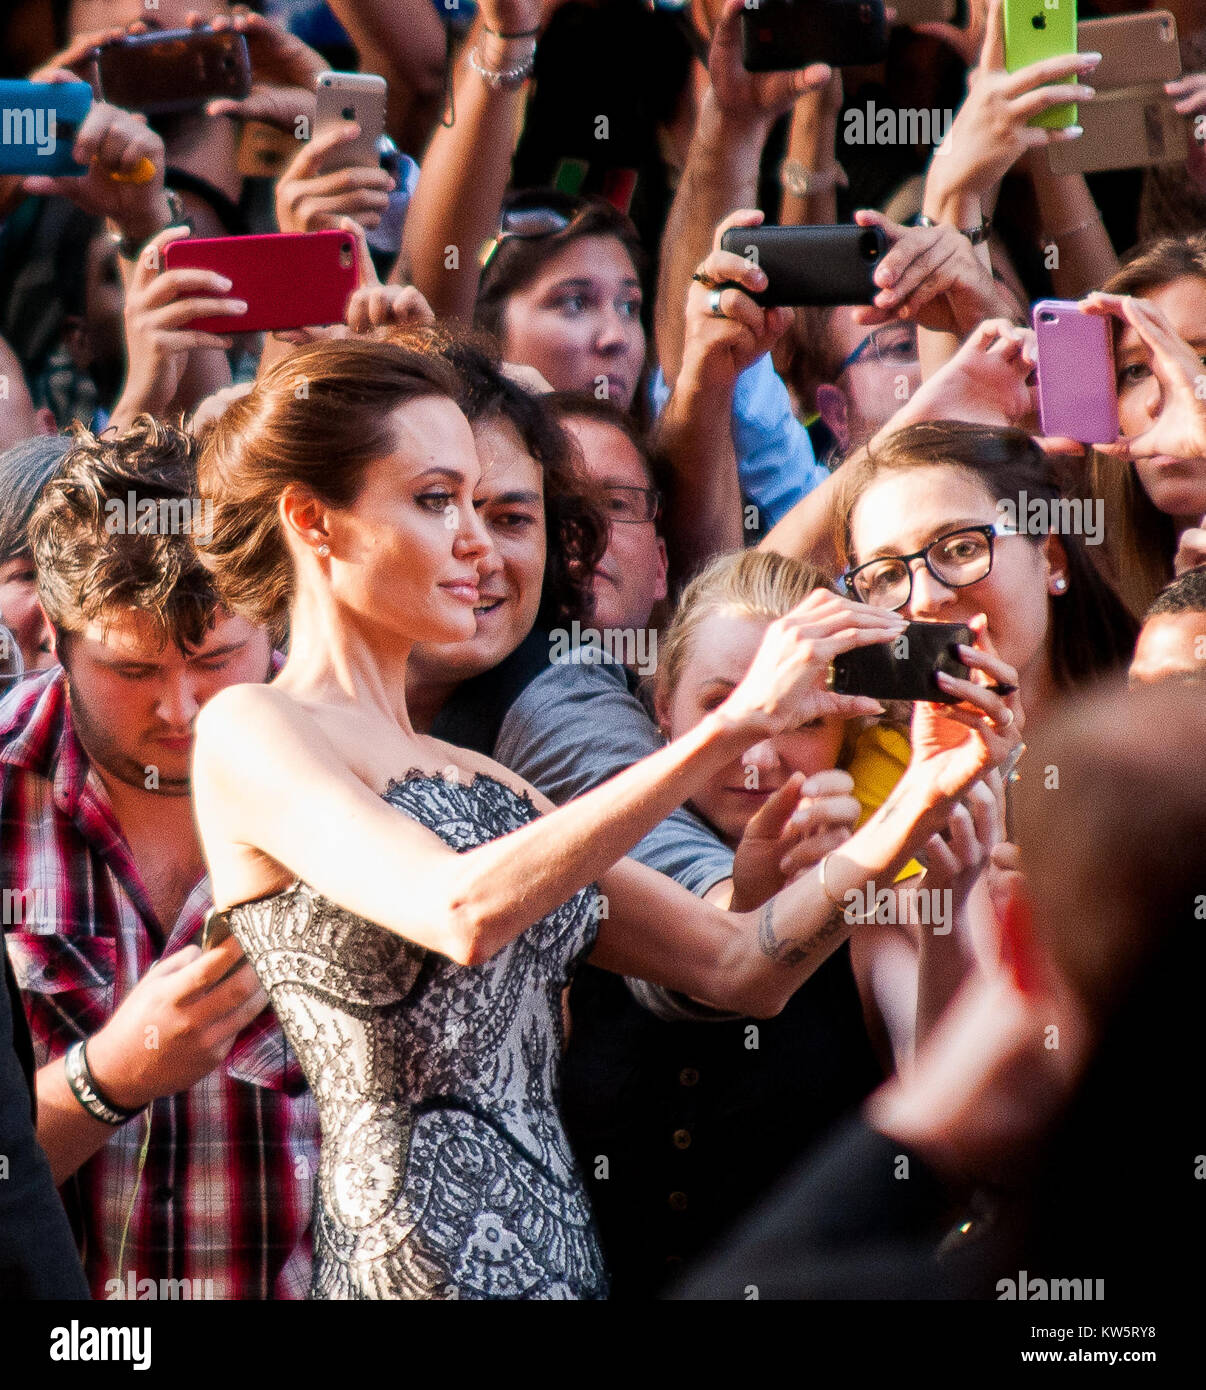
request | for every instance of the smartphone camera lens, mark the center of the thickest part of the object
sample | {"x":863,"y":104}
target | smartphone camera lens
{"x":349,"y":113}
{"x":1047,"y":317}
{"x":868,"y":245}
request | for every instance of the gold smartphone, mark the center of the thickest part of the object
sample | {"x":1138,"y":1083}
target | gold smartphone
{"x":1130,"y":123}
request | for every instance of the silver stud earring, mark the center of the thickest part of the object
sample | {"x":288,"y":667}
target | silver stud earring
{"x":1059,"y":584}
{"x":324,"y":550}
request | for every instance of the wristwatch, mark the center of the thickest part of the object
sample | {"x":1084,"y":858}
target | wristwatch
{"x":128,"y":248}
{"x":975,"y":235}
{"x":802,"y":183}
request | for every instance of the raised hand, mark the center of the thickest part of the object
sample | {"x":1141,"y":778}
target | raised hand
{"x":374,"y":305}
{"x":985,"y":383}
{"x":159,"y":306}
{"x":1180,"y":430}
{"x":792,"y":832}
{"x":1190,"y":101}
{"x":991,"y":131}
{"x":954,"y":745}
{"x":785,"y":685}
{"x":755,"y":97}
{"x":308,"y":200}
{"x":124,"y":181}
{"x":283,"y":72}
{"x":720,"y":345}
{"x":932,"y":275}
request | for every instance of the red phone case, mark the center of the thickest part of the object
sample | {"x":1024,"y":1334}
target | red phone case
{"x":288,"y":279}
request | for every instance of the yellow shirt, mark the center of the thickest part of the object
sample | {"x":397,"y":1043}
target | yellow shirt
{"x":881,"y":754}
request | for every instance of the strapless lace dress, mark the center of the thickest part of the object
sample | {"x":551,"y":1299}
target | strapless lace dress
{"x":444,"y":1169}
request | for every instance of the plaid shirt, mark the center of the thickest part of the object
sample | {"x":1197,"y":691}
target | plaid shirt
{"x":225,"y":1192}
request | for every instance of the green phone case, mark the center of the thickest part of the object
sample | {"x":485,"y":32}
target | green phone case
{"x":1037,"y":29}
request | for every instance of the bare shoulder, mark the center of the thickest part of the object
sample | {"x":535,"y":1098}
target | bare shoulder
{"x":252,"y":727}
{"x":450,"y":759}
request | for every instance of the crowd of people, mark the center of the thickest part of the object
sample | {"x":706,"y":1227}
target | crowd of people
{"x":437,"y":860}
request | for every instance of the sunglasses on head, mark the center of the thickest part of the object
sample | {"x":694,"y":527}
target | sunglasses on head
{"x":531,"y":216}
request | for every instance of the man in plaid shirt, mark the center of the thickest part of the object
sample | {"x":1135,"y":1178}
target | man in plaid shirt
{"x":184,"y":1137}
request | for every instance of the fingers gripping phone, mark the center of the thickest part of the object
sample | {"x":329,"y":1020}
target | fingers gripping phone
{"x":351,"y":96}
{"x":904,"y":668}
{"x":38,"y":125}
{"x":1077,"y":384}
{"x":1037,"y":29}
{"x":811,"y":265}
{"x":173,"y":69}
{"x":288,"y":279}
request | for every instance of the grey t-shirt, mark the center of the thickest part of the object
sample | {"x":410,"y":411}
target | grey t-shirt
{"x":575,"y":726}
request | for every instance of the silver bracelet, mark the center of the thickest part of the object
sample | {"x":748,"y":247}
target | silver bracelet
{"x":1084,"y":226}
{"x":508,"y":79}
{"x":85,"y":1090}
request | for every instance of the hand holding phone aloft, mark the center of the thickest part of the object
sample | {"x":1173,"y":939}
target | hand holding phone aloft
{"x":286,"y":280}
{"x":991,"y":130}
{"x":1180,"y":430}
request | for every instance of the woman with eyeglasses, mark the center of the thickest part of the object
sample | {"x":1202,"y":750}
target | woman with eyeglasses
{"x":921,"y":533}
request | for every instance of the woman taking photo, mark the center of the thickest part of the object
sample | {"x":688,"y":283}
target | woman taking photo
{"x":417,"y":960}
{"x":921,"y":532}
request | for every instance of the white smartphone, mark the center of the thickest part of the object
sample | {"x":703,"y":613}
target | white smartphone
{"x":352,"y":96}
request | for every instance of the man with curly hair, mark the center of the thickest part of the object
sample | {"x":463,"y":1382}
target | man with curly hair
{"x":174,"y":1115}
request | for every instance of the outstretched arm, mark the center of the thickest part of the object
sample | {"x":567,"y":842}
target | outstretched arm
{"x":267,"y":780}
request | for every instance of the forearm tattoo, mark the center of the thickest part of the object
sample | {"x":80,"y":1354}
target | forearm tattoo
{"x":794,"y":951}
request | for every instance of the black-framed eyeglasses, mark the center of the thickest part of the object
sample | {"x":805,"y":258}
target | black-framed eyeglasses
{"x":893,"y":344}
{"x":631,"y":505}
{"x":529,"y":216}
{"x":956,"y":559}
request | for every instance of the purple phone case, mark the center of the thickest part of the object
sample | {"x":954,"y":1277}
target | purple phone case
{"x":1078,"y":395}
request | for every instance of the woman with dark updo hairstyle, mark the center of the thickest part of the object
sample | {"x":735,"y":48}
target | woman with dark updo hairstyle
{"x":414,"y":910}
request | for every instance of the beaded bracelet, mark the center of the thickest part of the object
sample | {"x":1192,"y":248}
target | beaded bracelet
{"x":505,"y":81}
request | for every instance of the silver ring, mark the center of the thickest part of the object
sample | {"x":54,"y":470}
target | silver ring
{"x":714,"y":305}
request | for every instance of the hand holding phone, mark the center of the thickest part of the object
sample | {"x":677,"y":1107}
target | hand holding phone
{"x":287,"y":280}
{"x":1039,"y":29}
{"x":906,"y":667}
{"x":783,"y":35}
{"x":173,"y":69}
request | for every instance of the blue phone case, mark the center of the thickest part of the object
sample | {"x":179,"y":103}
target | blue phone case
{"x":38,"y":125}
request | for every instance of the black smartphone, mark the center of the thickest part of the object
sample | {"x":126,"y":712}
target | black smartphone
{"x":824,"y":264}
{"x":171,"y":70}
{"x":783,"y":35}
{"x":904,"y":668}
